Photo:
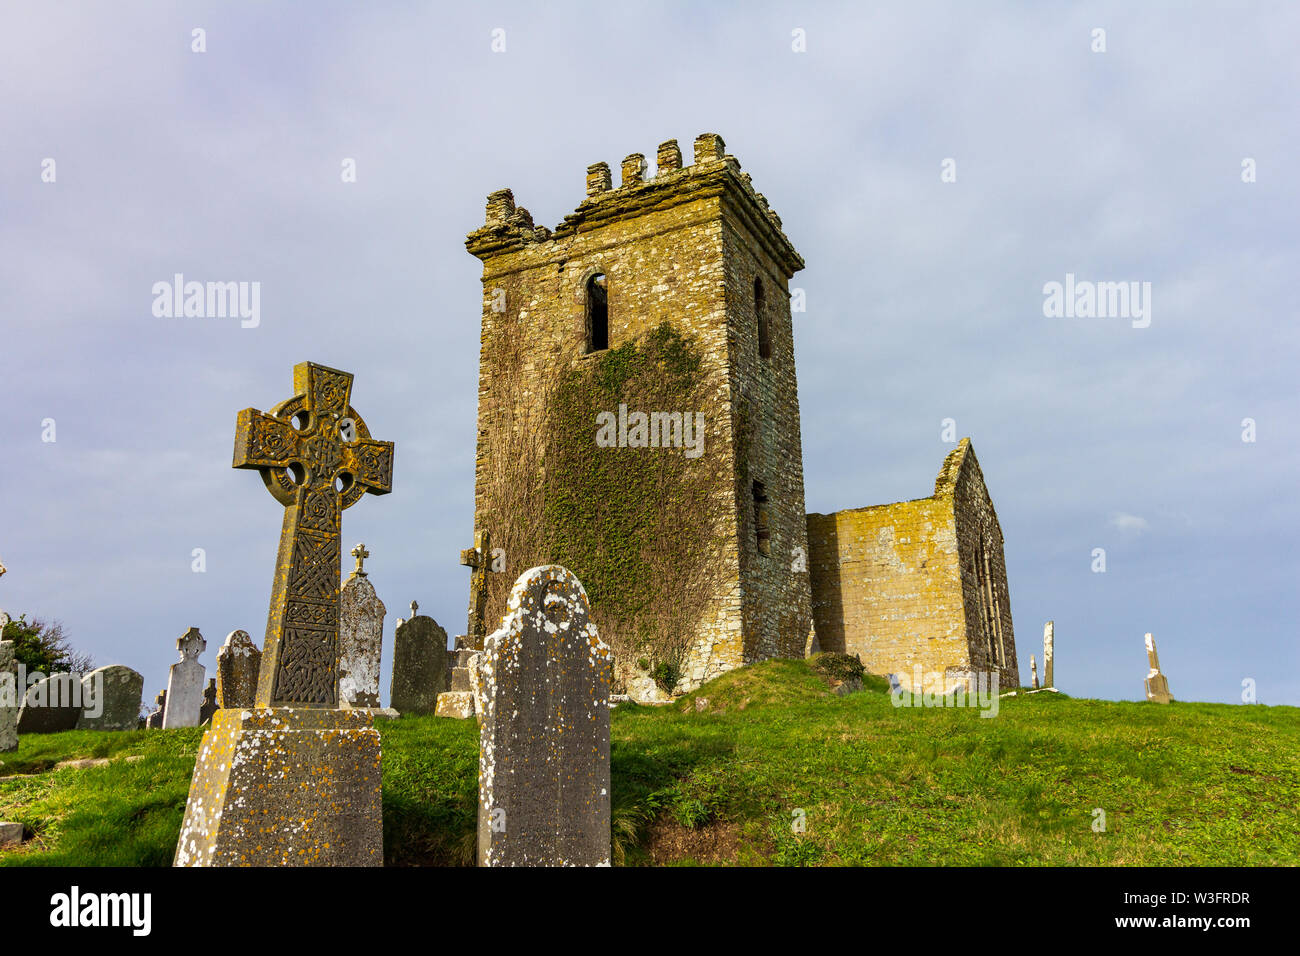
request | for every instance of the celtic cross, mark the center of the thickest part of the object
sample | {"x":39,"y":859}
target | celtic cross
{"x":317,"y":458}
{"x":479,"y":560}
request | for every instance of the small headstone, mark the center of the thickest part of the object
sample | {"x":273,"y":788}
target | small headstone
{"x":544,"y":683}
{"x":51,"y":705}
{"x":1157,"y":686}
{"x":238,"y":663}
{"x":361,"y":638}
{"x":419,"y":664}
{"x":185,"y":682}
{"x":11,"y":834}
{"x":8,"y":698}
{"x":1049,"y":641}
{"x":110,"y":698}
{"x":154,"y":720}
{"x":210,"y":705}
{"x":1033,"y":670}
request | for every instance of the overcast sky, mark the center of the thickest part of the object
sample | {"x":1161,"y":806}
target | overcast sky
{"x":924,"y":297}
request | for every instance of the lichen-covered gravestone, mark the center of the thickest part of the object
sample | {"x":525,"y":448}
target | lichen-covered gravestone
{"x":295,"y":780}
{"x":544,"y":683}
{"x":154,"y":720}
{"x":51,"y":705}
{"x":185,"y":682}
{"x":238,"y":662}
{"x":361,"y":637}
{"x":419,"y":664}
{"x":110,"y":698}
{"x":8,"y":698}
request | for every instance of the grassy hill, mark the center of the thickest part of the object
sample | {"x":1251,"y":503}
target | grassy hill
{"x":719,"y":777}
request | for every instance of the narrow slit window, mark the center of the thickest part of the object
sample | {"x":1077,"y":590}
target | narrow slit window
{"x":760,"y":313}
{"x":597,"y":313}
{"x":762,"y":532}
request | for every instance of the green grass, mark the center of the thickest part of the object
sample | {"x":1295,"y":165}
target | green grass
{"x":1186,"y":784}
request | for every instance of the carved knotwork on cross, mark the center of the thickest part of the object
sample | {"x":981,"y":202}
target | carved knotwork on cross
{"x":479,"y":560}
{"x":317,"y":458}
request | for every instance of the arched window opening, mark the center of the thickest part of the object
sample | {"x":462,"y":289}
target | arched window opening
{"x":597,"y":313}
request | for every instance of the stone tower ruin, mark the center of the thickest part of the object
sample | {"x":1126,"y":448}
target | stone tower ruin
{"x":690,"y":265}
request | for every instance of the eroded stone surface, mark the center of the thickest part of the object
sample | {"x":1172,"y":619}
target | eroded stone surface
{"x":285,"y":787}
{"x":456,"y":703}
{"x":544,"y":684}
{"x":121,"y":690}
{"x":238,"y":664}
{"x":8,"y":698}
{"x":419,"y":666}
{"x":11,"y":834}
{"x":361,"y":642}
{"x":185,"y":682}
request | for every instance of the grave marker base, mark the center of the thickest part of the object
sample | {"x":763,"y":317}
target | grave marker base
{"x":285,"y":787}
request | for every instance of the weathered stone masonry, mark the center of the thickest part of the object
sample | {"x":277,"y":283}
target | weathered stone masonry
{"x":919,"y":582}
{"x":698,"y":248}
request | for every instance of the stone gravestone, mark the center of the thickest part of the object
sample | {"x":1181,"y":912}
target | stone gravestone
{"x":295,"y":780}
{"x":361,"y":638}
{"x":154,"y":720}
{"x":185,"y":682}
{"x":1157,"y":686}
{"x":238,"y":662}
{"x":482,"y":561}
{"x":1049,"y":646}
{"x":51,"y":705}
{"x":1033,"y":670}
{"x":115,"y":693}
{"x":419,"y":664}
{"x":544,"y":684}
{"x":210,"y":705}
{"x":8,"y":698}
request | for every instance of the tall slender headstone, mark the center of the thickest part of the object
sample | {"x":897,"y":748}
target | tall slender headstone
{"x":185,"y":682}
{"x":419,"y":664}
{"x":544,"y":683}
{"x":361,"y":637}
{"x":294,"y":780}
{"x":238,"y":662}
{"x":110,"y":699}
{"x":1033,"y":670}
{"x":1049,"y":641}
{"x":1157,"y":687}
{"x":8,"y":698}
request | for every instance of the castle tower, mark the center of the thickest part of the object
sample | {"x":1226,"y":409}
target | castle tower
{"x":690,"y":267}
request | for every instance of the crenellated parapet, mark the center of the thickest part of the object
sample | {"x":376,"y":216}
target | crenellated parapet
{"x":714,"y":173}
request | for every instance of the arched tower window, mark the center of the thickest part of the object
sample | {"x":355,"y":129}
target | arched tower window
{"x":760,"y":311}
{"x":597,"y":313}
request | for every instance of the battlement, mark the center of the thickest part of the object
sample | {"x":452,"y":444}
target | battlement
{"x":714,"y":173}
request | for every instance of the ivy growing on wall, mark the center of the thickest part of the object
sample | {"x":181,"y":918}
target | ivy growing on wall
{"x":639,"y":526}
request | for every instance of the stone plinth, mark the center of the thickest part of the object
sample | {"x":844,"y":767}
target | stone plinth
{"x":285,"y":787}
